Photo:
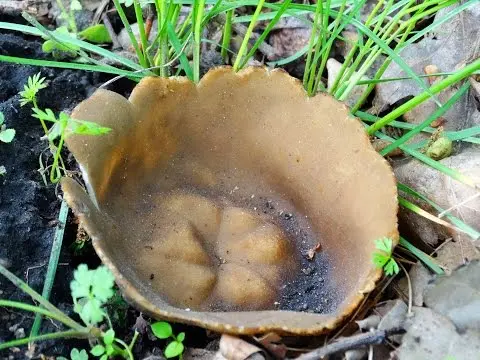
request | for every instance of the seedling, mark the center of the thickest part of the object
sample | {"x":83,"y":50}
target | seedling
{"x":383,"y":258}
{"x":163,"y":330}
{"x":91,"y":290}
{"x":6,"y":135}
{"x":63,"y":125}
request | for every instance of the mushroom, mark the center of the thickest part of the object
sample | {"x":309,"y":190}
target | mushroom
{"x":204,"y":199}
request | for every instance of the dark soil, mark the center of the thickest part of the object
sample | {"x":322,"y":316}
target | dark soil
{"x":29,"y":207}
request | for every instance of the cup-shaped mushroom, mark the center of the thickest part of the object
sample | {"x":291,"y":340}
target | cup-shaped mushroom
{"x":238,"y":204}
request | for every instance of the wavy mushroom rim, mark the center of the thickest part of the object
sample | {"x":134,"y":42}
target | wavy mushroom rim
{"x":327,"y":321}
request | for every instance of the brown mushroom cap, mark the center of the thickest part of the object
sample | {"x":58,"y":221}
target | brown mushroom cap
{"x":174,"y":194}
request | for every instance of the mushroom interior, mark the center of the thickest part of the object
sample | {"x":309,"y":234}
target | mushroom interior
{"x":178,"y":192}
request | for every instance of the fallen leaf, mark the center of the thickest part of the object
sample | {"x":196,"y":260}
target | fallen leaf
{"x":234,"y":348}
{"x":273,"y":343}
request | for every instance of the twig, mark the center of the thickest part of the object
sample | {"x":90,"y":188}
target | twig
{"x":98,"y":13}
{"x":52,"y":264}
{"x":410,"y":290}
{"x":111,"y":32}
{"x":344,"y":344}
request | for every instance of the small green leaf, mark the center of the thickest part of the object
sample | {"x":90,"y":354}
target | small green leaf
{"x":181,"y":337}
{"x":109,"y":336}
{"x":391,"y":267}
{"x":2,"y":118}
{"x":7,"y":135}
{"x":97,"y":350}
{"x":82,"y":127}
{"x":97,"y":34}
{"x":384,"y":244}
{"x":380,"y":259}
{"x":78,"y":355}
{"x":162,"y":329}
{"x":102,"y":283}
{"x":91,"y":312}
{"x":173,"y":349}
{"x":75,"y":5}
{"x":51,"y":45}
{"x":48,"y":46}
{"x":81,"y":284}
{"x":110,"y":349}
{"x":104,"y":357}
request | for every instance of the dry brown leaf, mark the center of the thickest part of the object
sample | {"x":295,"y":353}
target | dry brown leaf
{"x":234,"y":348}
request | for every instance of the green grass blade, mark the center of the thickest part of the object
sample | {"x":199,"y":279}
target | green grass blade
{"x":128,"y":28}
{"x":463,"y":135}
{"x":474,"y":234}
{"x":51,"y":336}
{"x":435,"y":115}
{"x":69,"y":40}
{"x":434,"y":89}
{"x":419,"y":254}
{"x":70,"y":65}
{"x":248,"y":34}
{"x":175,"y":41}
{"x":391,"y":53}
{"x":418,"y":210}
{"x":439,"y":21}
{"x":198,"y":10}
{"x":227,"y":35}
{"x":37,"y":297}
{"x":52,"y":263}
{"x":265,"y":33}
{"x":454,"y":174}
{"x":290,"y":58}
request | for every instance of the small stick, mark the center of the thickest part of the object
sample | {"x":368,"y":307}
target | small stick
{"x":111,"y":32}
{"x":344,"y":344}
{"x":99,"y":11}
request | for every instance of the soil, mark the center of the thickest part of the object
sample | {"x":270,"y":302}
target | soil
{"x":29,"y":207}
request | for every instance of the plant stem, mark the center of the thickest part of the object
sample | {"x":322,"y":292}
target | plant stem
{"x":227,"y":35}
{"x":246,"y":38}
{"x":52,"y":263}
{"x":128,"y":28}
{"x":425,"y":95}
{"x":419,"y":254}
{"x":199,"y":7}
{"x":311,"y":43}
{"x":435,"y":115}
{"x":37,"y":297}
{"x":64,"y":319}
{"x":127,"y":348}
{"x":55,"y":169}
{"x":51,"y":336}
{"x":265,"y":32}
{"x":134,"y":340}
{"x":141,"y":29}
